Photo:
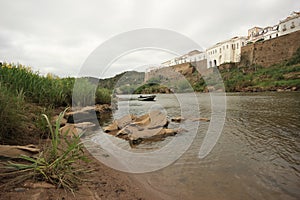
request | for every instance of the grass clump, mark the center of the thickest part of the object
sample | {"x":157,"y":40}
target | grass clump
{"x":56,"y":164}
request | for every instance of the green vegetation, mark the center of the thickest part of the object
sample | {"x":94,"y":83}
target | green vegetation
{"x":48,"y":90}
{"x":260,"y":78}
{"x":295,"y":59}
{"x":11,"y":112}
{"x":25,"y":94}
{"x":124,"y":83}
{"x":151,"y":88}
{"x":37,"y":89}
{"x":56,"y":164}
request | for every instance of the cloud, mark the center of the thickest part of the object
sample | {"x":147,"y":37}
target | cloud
{"x":57,"y":36}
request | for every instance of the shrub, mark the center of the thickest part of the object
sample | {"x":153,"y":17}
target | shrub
{"x":103,"y":95}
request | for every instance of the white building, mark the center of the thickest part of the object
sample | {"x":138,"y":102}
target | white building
{"x":271,"y":32}
{"x":192,"y":56}
{"x":254,"y":34}
{"x":257,"y":33}
{"x":225,"y":52}
{"x":290,"y":24}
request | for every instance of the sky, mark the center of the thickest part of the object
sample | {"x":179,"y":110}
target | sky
{"x":58,"y":36}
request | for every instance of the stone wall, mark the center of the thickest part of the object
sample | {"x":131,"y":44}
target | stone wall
{"x":270,"y":52}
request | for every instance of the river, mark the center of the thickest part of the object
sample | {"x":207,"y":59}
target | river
{"x":256,"y":157}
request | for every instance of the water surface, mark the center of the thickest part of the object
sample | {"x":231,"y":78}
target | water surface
{"x":256,"y":157}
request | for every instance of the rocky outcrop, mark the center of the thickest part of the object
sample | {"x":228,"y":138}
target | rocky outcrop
{"x":136,"y":129}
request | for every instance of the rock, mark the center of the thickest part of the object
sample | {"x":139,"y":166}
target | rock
{"x":87,"y":113}
{"x":13,"y":151}
{"x":294,"y":88}
{"x":76,"y":129}
{"x":19,"y":189}
{"x":102,"y":108}
{"x":44,"y":185}
{"x":63,"y":121}
{"x":113,"y":127}
{"x":177,"y":119}
{"x":280,"y":90}
{"x":201,"y":119}
{"x":137,"y":129}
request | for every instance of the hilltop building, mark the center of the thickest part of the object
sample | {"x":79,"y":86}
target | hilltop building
{"x":229,"y":51}
{"x":290,"y":24}
{"x":225,"y":52}
{"x":192,"y":56}
{"x":257,"y":33}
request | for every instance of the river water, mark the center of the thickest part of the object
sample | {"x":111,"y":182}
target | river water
{"x":256,"y":157}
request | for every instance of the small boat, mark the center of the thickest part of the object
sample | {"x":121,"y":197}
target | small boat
{"x":146,"y":98}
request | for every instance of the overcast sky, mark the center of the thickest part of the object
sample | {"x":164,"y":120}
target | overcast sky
{"x":58,"y":36}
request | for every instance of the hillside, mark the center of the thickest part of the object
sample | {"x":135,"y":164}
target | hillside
{"x":123,"y":83}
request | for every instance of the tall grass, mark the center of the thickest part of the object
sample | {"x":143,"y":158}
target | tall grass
{"x":57,"y":164}
{"x":37,"y":89}
{"x":50,"y":89}
{"x":11,"y":113}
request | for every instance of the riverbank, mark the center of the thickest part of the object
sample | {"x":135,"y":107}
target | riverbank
{"x":96,"y":182}
{"x":102,"y":183}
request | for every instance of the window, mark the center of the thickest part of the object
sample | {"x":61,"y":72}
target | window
{"x":237,"y":45}
{"x":220,"y":50}
{"x":243,"y":44}
{"x":227,"y":46}
{"x":284,"y":27}
{"x":293,"y":25}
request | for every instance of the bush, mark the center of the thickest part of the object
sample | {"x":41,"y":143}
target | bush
{"x":103,"y":96}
